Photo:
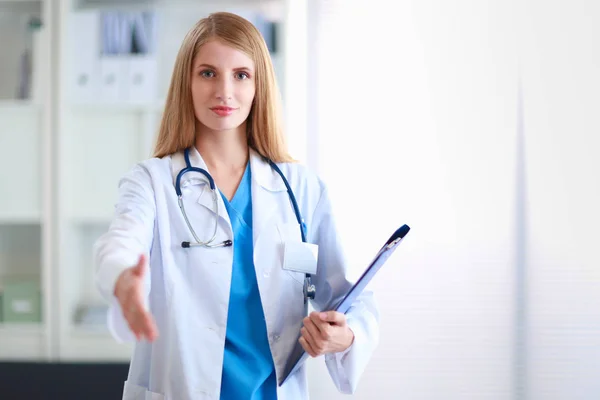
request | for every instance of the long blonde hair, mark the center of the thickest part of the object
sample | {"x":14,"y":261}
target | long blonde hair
{"x":264,"y":126}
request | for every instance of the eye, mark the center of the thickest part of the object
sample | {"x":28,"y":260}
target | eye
{"x":207,"y":73}
{"x":242,"y":75}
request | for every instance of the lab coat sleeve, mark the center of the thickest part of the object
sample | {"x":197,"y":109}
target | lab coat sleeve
{"x":129,"y":235}
{"x":345,"y":368}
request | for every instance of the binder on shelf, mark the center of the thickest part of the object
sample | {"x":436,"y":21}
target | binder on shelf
{"x":84,"y":74}
{"x":128,"y":62}
{"x":39,"y":64}
{"x":113,"y":70}
{"x":141,"y":78}
{"x":112,"y":66}
{"x":113,"y":57}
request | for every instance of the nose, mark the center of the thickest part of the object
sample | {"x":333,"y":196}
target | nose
{"x":224,"y":89}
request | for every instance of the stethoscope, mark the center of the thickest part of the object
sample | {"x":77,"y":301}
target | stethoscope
{"x":309,"y":289}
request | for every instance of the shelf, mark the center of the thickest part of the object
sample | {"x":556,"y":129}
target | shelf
{"x":91,"y":219}
{"x":23,"y":219}
{"x":19,"y":105}
{"x":118,"y":107}
{"x":22,"y":341}
{"x":124,"y":4}
{"x":94,"y":344}
{"x":30,"y":6}
{"x":21,"y":328}
{"x":100,"y":4}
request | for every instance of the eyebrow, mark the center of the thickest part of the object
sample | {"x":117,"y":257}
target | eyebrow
{"x":215,"y":68}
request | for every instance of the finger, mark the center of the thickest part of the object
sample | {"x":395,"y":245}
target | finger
{"x":316,"y":336}
{"x":132,"y":329}
{"x":143,"y":325}
{"x":307,"y":347}
{"x":140,"y":268}
{"x":146,"y":325}
{"x":323,"y":326}
{"x":149,"y":327}
{"x":154,"y":331}
{"x":310,"y":339}
{"x":132,"y":325}
{"x":333,"y":317}
{"x":136,"y":315}
{"x":129,"y":311}
{"x":132,"y":318}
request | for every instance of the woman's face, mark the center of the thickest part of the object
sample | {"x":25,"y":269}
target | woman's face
{"x":223,"y":86}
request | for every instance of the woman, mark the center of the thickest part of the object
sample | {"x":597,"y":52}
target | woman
{"x":220,"y":320}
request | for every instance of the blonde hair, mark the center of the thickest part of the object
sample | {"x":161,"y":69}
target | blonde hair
{"x":264,"y":131}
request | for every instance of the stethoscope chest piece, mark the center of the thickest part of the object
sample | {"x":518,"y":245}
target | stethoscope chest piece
{"x":309,"y":289}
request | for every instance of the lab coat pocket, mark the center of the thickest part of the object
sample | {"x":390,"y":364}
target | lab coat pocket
{"x":136,"y":392}
{"x":154,"y":396}
{"x":297,"y":258}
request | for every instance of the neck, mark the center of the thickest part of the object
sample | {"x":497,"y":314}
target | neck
{"x":223,"y":150}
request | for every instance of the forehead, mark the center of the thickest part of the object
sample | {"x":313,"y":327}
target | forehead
{"x":221,"y":55}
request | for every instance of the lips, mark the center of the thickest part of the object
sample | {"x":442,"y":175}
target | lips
{"x":223,"y":108}
{"x":223,"y":111}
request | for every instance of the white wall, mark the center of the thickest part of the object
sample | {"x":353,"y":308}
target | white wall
{"x":417,"y":125}
{"x":561,"y":57}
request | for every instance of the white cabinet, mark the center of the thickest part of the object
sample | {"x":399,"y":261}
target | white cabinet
{"x":24,"y":218}
{"x":65,"y":148}
{"x":20,"y":134}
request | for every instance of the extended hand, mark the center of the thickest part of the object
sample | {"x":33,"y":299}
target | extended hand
{"x":325,"y":332}
{"x":129,"y":291}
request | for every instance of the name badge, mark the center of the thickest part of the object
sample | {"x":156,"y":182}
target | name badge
{"x":300,"y":257}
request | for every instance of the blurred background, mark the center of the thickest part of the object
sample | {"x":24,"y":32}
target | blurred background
{"x":473,"y":121}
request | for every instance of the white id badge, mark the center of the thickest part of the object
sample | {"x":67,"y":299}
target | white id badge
{"x":300,"y":257}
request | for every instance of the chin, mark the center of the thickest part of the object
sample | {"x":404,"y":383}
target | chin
{"x":221,"y":123}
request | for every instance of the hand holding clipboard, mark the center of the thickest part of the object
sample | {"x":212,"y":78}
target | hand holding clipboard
{"x":298,"y":355}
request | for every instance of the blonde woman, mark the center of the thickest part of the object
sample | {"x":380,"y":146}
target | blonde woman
{"x":219,"y":241}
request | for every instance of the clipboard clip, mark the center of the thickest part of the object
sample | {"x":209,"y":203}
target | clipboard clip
{"x":393,"y":243}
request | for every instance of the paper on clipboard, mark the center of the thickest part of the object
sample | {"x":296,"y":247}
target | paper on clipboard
{"x":298,"y":355}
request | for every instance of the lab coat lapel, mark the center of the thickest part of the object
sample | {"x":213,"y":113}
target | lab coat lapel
{"x":205,"y":195}
{"x":266,"y":188}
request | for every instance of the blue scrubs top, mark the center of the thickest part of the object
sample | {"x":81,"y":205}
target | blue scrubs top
{"x":248,"y":370}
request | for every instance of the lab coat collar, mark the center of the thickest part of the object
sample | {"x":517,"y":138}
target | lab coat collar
{"x":262,"y":173}
{"x":205,"y":195}
{"x":178,"y":164}
{"x":266,"y":183}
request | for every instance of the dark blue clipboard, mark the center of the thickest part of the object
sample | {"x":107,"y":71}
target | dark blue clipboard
{"x":298,"y":355}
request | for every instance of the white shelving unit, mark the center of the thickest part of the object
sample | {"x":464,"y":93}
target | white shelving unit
{"x":24,"y":216}
{"x":23,"y":342}
{"x":123,"y":131}
{"x":66,"y":157}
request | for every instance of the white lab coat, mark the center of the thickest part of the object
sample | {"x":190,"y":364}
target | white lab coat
{"x":188,"y":289}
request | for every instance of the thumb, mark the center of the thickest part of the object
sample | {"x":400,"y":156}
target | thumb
{"x":333,"y":317}
{"x":140,"y":268}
